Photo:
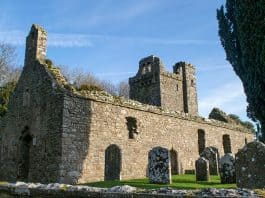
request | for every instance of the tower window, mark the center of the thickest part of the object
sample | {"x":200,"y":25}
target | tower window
{"x":192,"y":83}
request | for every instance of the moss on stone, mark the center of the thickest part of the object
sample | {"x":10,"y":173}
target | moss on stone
{"x":89,"y":87}
{"x":64,"y":187}
{"x":57,"y":74}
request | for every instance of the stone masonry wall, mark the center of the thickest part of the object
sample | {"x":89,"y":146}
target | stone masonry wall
{"x":75,"y":138}
{"x":171,"y":91}
{"x":35,"y":106}
{"x":108,"y":126}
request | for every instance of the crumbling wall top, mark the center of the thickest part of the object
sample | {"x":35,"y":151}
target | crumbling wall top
{"x":36,"y":44}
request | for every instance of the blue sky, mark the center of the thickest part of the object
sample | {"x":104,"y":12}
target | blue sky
{"x":109,"y":37}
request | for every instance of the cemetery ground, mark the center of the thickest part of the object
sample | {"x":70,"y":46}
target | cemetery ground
{"x":186,"y":181}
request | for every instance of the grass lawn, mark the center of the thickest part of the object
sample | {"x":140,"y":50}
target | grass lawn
{"x":178,"y":182}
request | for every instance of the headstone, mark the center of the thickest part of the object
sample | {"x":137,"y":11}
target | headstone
{"x":211,"y":154}
{"x":202,"y":169}
{"x":159,"y":171}
{"x":227,"y":169}
{"x":250,"y":166}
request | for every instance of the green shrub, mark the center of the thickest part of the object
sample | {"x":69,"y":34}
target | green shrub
{"x":49,"y":63}
{"x":89,"y":87}
{"x":5,"y":93}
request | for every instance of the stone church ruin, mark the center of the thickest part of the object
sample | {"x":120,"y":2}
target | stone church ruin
{"x":54,"y":133}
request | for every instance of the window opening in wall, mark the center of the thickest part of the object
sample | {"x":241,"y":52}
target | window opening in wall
{"x":174,"y":162}
{"x":25,"y":148}
{"x":227,"y":144}
{"x":201,"y":140}
{"x":132,"y":127}
{"x":26,"y":98}
{"x":192,"y":83}
{"x":112,"y":163}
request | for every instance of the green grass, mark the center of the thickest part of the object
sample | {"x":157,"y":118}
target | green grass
{"x":178,"y":182}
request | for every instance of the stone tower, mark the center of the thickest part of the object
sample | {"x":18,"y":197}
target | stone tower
{"x":174,"y":91}
{"x":187,"y":73}
{"x":145,"y":86}
{"x":36,"y":44}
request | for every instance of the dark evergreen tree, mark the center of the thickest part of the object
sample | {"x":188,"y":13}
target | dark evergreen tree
{"x":242,"y":34}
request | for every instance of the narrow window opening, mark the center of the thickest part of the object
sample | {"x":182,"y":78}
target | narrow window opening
{"x":227,"y":144}
{"x":132,"y":127}
{"x":26,"y":98}
{"x":201,"y":140}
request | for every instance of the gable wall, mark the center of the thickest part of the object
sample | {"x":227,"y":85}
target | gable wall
{"x":36,"y":104}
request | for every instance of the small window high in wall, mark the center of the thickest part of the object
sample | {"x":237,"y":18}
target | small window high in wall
{"x":201,"y":140}
{"x":132,"y":127}
{"x":26,"y":98}
{"x":227,"y":144}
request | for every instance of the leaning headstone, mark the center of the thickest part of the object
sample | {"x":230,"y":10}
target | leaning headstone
{"x":159,"y":171}
{"x":211,"y":155}
{"x":202,"y":169}
{"x":250,"y":166}
{"x":227,"y":169}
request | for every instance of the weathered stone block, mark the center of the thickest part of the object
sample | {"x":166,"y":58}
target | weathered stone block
{"x":202,"y":169}
{"x":250,"y":166}
{"x":211,"y":154}
{"x":159,"y":171}
{"x":227,"y":169}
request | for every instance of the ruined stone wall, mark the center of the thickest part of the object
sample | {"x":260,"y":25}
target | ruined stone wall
{"x":75,"y":138}
{"x":108,"y":126}
{"x":35,"y":108}
{"x":31,"y":138}
{"x":186,"y":72}
{"x":171,"y":91}
{"x":145,"y":86}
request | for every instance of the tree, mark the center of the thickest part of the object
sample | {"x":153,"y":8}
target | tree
{"x":7,"y":71}
{"x":123,"y":89}
{"x":242,"y":34}
{"x":85,"y":80}
{"x":5,"y":93}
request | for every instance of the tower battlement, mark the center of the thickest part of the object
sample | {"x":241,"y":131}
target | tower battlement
{"x":175,"y":91}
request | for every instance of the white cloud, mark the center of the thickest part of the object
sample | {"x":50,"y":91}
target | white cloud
{"x":18,"y":38}
{"x":230,"y":97}
{"x":69,"y":40}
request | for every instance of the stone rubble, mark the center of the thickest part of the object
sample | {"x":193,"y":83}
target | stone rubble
{"x":25,"y":189}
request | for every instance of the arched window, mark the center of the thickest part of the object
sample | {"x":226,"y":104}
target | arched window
{"x":174,"y":162}
{"x":201,"y":140}
{"x":24,"y":157}
{"x":112,"y":162}
{"x":227,"y":144}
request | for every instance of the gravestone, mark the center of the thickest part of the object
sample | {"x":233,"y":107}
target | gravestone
{"x":227,"y":169}
{"x":250,"y":166}
{"x":159,"y":171}
{"x":211,"y":154}
{"x":202,"y":169}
